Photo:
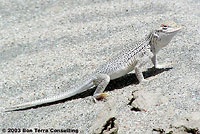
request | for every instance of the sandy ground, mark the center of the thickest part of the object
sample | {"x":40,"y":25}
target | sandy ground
{"x":48,"y":47}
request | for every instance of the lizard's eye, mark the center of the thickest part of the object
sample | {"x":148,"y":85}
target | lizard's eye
{"x":164,"y":28}
{"x":163,"y":25}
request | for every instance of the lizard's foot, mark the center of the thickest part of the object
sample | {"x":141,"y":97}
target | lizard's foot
{"x":144,"y":82}
{"x":100,"y":96}
{"x":161,"y":66}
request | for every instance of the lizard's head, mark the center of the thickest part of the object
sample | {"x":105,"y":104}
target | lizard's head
{"x":163,"y":35}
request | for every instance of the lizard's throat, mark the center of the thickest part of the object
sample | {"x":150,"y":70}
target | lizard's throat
{"x":154,"y":46}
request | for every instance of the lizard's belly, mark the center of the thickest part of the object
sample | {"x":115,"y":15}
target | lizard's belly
{"x":121,"y":72}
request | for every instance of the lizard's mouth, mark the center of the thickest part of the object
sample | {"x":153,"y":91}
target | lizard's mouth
{"x":169,"y":30}
{"x":174,"y":30}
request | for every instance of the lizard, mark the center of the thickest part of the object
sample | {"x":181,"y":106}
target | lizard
{"x":132,"y":57}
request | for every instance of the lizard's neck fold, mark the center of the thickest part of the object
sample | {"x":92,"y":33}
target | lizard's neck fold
{"x":155,"y":48}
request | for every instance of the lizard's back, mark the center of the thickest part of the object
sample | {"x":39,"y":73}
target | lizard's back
{"x":126,"y":60}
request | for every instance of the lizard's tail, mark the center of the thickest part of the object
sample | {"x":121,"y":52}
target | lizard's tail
{"x":73,"y":92}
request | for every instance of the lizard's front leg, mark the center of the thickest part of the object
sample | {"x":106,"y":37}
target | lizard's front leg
{"x":138,"y":71}
{"x":101,"y":82}
{"x":139,"y":75}
{"x":155,"y":62}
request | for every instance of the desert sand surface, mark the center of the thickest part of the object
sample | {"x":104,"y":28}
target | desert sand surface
{"x":47,"y":47}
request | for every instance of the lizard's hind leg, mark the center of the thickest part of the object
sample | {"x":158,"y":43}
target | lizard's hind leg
{"x":101,"y":82}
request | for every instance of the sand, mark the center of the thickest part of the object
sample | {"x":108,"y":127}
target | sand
{"x":48,"y":47}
